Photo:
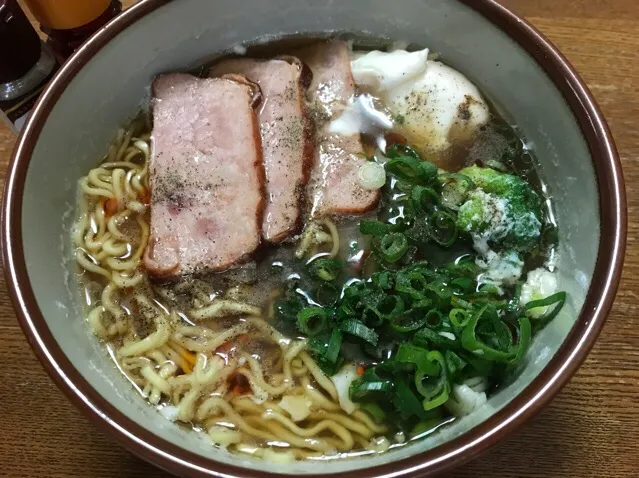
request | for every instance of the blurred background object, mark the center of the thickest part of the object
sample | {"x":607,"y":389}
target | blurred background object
{"x":26,"y":65}
{"x":68,"y":23}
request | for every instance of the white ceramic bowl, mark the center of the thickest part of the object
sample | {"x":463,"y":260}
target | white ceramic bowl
{"x":108,"y":79}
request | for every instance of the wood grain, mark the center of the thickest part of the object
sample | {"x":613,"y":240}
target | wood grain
{"x":590,"y":430}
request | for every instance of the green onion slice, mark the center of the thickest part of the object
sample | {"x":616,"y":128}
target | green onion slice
{"x":372,"y":228}
{"x":326,"y":294}
{"x":334,"y":345}
{"x":418,"y":356}
{"x":525,"y":336}
{"x":471,"y":342}
{"x":424,"y":199}
{"x":411,"y":283}
{"x":375,"y":411}
{"x":393,"y":246}
{"x":313,"y":321}
{"x":408,"y":322}
{"x":434,"y":387}
{"x":326,"y":269}
{"x":397,"y":150}
{"x":406,"y":402}
{"x":559,"y":299}
{"x":358,"y":329}
{"x":443,"y":228}
{"x":362,"y":388}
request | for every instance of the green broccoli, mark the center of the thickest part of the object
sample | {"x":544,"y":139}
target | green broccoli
{"x":503,"y":209}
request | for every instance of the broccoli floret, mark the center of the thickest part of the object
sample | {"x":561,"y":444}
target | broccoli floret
{"x":502,"y":208}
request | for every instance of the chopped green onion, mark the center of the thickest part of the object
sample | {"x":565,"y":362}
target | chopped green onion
{"x":289,"y":306}
{"x":412,"y":170}
{"x":405,"y":168}
{"x":358,"y":329}
{"x":371,"y":318}
{"x":443,"y":228}
{"x":513,"y":304}
{"x":459,"y":317}
{"x":434,"y":318}
{"x":382,"y":280}
{"x":460,"y":303}
{"x":434,"y":387}
{"x":362,"y":388}
{"x":397,"y":150}
{"x":475,"y":346}
{"x":393,"y":246}
{"x":426,"y":326}
{"x":454,"y":363}
{"x":525,"y":336}
{"x":408,"y":322}
{"x":406,"y":402}
{"x":326,"y":269}
{"x":462,"y":285}
{"x":411,"y":283}
{"x":424,"y":199}
{"x":312,"y":321}
{"x":418,"y":356}
{"x":559,"y":298}
{"x":372,"y":228}
{"x":318,"y":347}
{"x":429,"y":337}
{"x":326,"y":294}
{"x":455,"y":188}
{"x":375,"y":411}
{"x":334,"y":345}
{"x":480,"y":366}
{"x":384,"y":307}
{"x":440,"y":288}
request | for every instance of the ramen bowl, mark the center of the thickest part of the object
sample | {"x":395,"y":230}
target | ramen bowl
{"x":108,"y":79}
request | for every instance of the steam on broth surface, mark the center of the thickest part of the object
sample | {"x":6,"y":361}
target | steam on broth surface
{"x":405,"y":258}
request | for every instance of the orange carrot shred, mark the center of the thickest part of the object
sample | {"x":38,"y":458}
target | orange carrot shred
{"x":360,"y":370}
{"x":145,"y":197}
{"x":243,"y":338}
{"x":224,"y":348}
{"x":111,"y":206}
{"x":189,"y":357}
{"x":239,"y":384}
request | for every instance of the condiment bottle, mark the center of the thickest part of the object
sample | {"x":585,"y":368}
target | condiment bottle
{"x":26,"y":65}
{"x":68,"y":23}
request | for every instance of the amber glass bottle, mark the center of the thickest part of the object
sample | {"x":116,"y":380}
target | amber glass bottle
{"x":68,"y":23}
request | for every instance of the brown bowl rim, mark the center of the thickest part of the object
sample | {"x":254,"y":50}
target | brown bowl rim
{"x":469,"y":445}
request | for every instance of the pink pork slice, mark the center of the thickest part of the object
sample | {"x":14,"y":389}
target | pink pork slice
{"x":287,"y":142}
{"x":206,"y":175}
{"x":334,"y":187}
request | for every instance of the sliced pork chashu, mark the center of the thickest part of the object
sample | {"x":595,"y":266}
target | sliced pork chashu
{"x":206,"y":175}
{"x":334,"y":188}
{"x":286,"y":132}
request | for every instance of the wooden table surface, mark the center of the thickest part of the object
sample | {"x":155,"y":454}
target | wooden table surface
{"x":590,"y":430}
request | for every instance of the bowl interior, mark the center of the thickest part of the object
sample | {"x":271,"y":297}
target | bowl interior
{"x":177,"y":36}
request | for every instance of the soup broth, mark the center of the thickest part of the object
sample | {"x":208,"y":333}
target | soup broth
{"x":361,"y":332}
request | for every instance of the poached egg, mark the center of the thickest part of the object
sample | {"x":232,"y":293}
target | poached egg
{"x":434,"y":105}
